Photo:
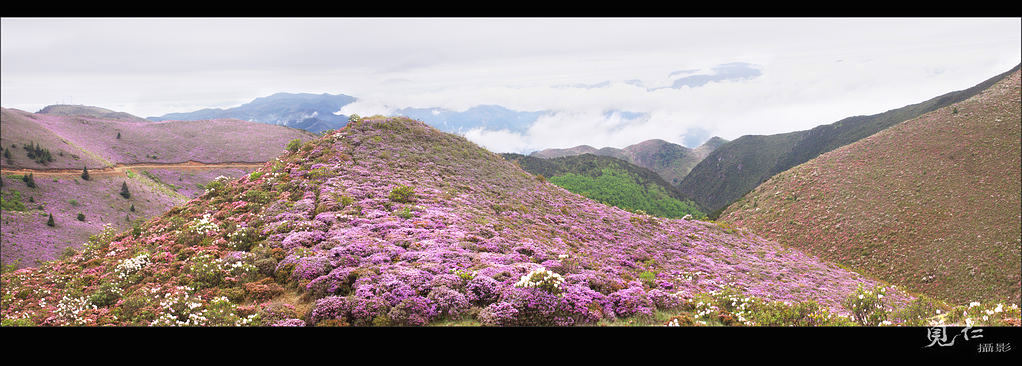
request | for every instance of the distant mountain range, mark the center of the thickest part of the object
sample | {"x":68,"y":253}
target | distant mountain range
{"x":671,"y":161}
{"x":310,"y":112}
{"x":735,"y":168}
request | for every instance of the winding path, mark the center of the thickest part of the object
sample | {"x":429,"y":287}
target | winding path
{"x":120,"y":168}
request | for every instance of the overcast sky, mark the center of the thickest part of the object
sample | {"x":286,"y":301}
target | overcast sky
{"x":687,"y":79}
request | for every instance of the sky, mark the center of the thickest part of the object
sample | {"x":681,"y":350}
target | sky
{"x":606,"y":81}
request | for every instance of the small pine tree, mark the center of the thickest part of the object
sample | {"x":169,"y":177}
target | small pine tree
{"x":118,"y":135}
{"x":81,"y":216}
{"x":124,"y":190}
{"x":30,"y":181}
{"x":50,"y":221}
{"x":132,"y":209}
{"x":85,"y":173}
{"x":7,"y":154}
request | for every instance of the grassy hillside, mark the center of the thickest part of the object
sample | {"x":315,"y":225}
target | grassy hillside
{"x":74,"y":142}
{"x":734,"y":168}
{"x":27,"y":240}
{"x":739,"y":166}
{"x":88,"y":111}
{"x":612,"y":181}
{"x":19,"y":129}
{"x":98,"y":142}
{"x":391,"y":222}
{"x":931,"y":204}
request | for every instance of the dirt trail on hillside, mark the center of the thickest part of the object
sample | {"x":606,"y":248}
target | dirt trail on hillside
{"x":120,"y":168}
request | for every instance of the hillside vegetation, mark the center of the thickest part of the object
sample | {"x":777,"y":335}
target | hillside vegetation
{"x":612,"y":181}
{"x":671,"y":161}
{"x":737,"y":167}
{"x":931,"y":204}
{"x":58,"y":148}
{"x":391,"y":222}
{"x":77,"y":142}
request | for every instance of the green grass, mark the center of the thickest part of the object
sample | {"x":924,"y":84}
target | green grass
{"x":11,"y":201}
{"x":617,"y":188}
{"x":613,"y":182}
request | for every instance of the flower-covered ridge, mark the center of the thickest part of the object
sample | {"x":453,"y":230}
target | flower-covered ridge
{"x":390,"y":222}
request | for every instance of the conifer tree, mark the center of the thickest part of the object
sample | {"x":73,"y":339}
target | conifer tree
{"x":132,"y":207}
{"x":85,"y":173}
{"x":7,"y":154}
{"x":124,"y":190}
{"x":50,"y":221}
{"x":30,"y":181}
{"x":81,"y":216}
{"x":118,"y":135}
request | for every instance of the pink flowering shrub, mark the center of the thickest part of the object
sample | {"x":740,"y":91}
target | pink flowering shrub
{"x":631,"y":301}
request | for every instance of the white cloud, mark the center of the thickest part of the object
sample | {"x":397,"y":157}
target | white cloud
{"x":366,"y":108}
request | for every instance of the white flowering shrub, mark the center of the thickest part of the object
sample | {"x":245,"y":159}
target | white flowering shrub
{"x":867,"y":306}
{"x":97,"y":243}
{"x":978,"y":314}
{"x":209,"y":271}
{"x":179,"y":308}
{"x":242,"y":238}
{"x":691,"y":276}
{"x":543,"y":279}
{"x":71,"y":310}
{"x":131,"y":265}
{"x":222,"y":312}
{"x":204,"y":225}
{"x":725,"y":306}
